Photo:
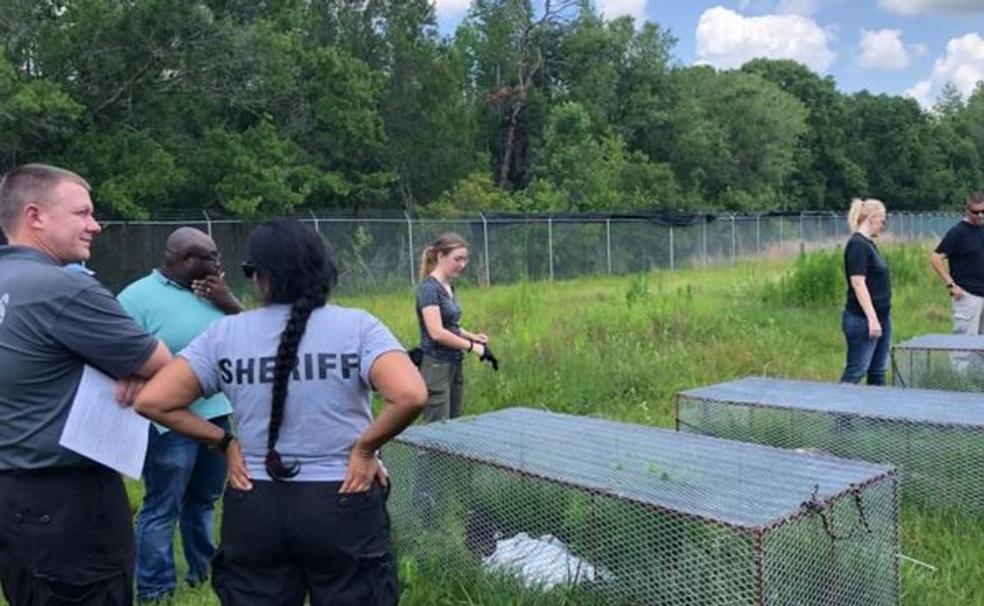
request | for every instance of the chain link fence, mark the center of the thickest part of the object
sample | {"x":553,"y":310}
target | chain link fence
{"x":378,"y":254}
{"x":935,"y":438}
{"x":620,"y":514}
{"x":940,"y":361}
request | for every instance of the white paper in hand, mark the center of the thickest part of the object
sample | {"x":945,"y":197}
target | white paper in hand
{"x":102,"y":430}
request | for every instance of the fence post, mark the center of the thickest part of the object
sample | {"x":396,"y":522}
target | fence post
{"x":488,"y":261}
{"x":672,"y":264}
{"x":782,"y":236}
{"x":550,"y":246}
{"x":758,"y":233}
{"x":608,"y":243}
{"x":314,"y":218}
{"x":410,"y":246}
{"x":703,"y":239}
{"x":208,"y":223}
{"x":734,"y":239}
{"x":802,"y":235}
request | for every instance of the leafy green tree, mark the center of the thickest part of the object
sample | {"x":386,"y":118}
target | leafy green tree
{"x":733,"y":132}
{"x":894,"y":143}
{"x":35,"y":114}
{"x":597,"y":173}
{"x":823,"y":177}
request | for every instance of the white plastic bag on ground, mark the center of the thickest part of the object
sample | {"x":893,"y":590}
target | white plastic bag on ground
{"x":545,"y":562}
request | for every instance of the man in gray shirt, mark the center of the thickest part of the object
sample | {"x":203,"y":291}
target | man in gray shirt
{"x":65,"y":530}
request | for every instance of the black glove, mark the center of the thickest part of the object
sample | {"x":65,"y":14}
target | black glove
{"x":416,"y":356}
{"x":488,"y":356}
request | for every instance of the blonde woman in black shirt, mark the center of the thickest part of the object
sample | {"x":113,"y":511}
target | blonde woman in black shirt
{"x":866,"y":321}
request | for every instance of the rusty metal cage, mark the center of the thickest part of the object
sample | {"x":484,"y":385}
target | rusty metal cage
{"x":935,"y":438}
{"x":651,"y":516}
{"x":940,"y":361}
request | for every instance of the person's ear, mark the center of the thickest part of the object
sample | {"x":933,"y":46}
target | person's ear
{"x":31,"y":215}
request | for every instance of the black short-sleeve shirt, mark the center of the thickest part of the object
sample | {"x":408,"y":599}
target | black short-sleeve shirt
{"x":431,"y":292}
{"x":53,"y":321}
{"x":861,"y":258}
{"x":963,"y":246}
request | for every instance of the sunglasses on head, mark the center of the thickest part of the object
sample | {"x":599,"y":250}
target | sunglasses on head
{"x":249,"y":270}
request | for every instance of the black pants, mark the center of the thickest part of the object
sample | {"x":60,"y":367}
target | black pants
{"x":282,"y":541}
{"x":65,"y":538}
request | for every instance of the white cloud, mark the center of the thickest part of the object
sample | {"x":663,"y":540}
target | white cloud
{"x":963,"y":65}
{"x":620,"y":8}
{"x":883,"y":49}
{"x":803,"y":8}
{"x":727,"y":39}
{"x":918,"y":7}
{"x":449,"y":8}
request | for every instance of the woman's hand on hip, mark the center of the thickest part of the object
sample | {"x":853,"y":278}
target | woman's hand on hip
{"x":239,"y":476}
{"x":363,"y":468}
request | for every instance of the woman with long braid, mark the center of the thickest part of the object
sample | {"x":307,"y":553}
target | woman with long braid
{"x":304,"y":515}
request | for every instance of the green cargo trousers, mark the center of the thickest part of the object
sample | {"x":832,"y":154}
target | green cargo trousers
{"x":445,"y":389}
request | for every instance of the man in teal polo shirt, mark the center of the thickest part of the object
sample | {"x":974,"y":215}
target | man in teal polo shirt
{"x":183,"y":478}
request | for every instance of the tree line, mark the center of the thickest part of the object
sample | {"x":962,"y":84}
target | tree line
{"x":261,"y":108}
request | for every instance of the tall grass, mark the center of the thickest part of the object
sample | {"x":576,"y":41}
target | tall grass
{"x":621,"y":347}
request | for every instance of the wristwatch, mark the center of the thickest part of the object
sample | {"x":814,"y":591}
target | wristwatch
{"x":223,"y":444}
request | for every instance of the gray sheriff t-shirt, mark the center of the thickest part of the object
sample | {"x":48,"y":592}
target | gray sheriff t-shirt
{"x":328,"y":396}
{"x":53,"y":321}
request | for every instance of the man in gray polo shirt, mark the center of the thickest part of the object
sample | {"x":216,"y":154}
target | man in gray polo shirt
{"x":65,"y":530}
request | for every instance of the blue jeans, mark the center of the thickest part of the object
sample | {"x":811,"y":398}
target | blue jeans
{"x":183,"y":479}
{"x":865,"y":356}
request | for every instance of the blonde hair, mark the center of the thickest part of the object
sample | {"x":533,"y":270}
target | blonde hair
{"x":444,"y":244}
{"x":861,"y":210}
{"x":30,"y":183}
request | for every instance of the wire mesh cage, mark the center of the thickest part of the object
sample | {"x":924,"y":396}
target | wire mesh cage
{"x":940,"y":361}
{"x":630,"y":515}
{"x":935,"y":438}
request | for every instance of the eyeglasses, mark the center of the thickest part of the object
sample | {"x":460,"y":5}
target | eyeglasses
{"x":976,"y":213}
{"x":249,"y":270}
{"x":214,"y":256}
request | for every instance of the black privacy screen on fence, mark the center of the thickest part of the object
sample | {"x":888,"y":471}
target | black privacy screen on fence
{"x":629,"y":515}
{"x":935,"y":438}
{"x":940,"y":361}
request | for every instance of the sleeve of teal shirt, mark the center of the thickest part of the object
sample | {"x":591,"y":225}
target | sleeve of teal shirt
{"x":128,"y":301}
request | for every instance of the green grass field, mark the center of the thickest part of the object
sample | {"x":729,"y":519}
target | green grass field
{"x":621,"y":347}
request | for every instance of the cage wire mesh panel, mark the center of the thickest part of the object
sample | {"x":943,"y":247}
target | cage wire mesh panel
{"x":935,"y":438}
{"x":627,"y":514}
{"x":940,"y":361}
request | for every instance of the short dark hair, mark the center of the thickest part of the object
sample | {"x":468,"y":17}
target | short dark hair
{"x":292,"y":257}
{"x":976,"y":197}
{"x":27,"y":183}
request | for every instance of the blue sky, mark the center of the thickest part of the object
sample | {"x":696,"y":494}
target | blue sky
{"x":908,"y":47}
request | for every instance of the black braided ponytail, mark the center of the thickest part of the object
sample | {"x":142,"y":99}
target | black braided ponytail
{"x":291,"y":257}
